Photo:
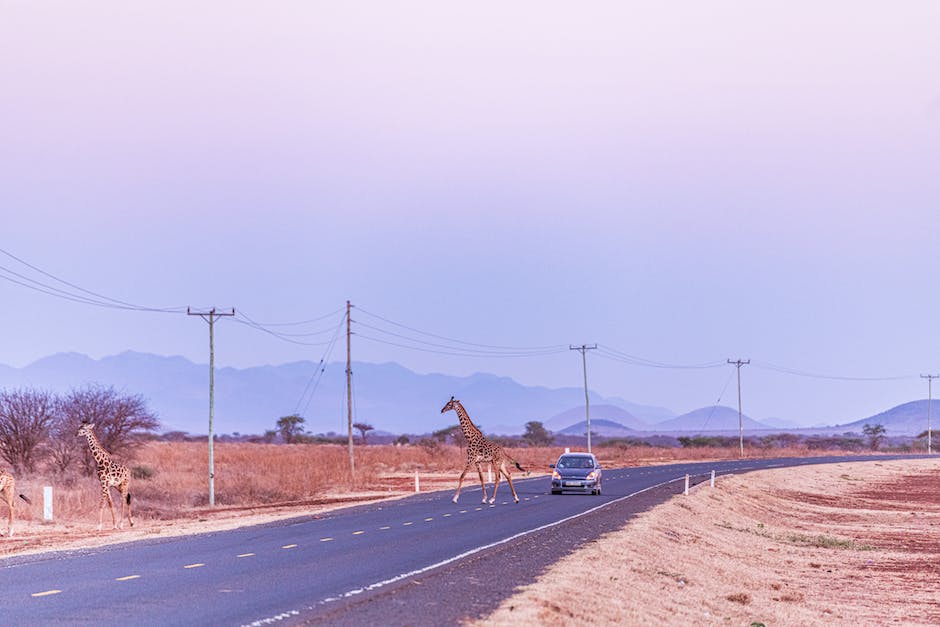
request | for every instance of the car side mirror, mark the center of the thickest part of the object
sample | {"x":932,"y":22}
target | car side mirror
{"x":551,"y":465}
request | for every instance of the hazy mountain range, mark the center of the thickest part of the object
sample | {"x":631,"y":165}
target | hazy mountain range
{"x":388,"y":396}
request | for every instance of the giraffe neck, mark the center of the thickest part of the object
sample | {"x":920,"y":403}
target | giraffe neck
{"x":102,"y":458}
{"x":470,"y":430}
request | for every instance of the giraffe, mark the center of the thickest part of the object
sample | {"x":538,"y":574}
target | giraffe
{"x":110,"y":474}
{"x":479,"y":451}
{"x":7,"y":491}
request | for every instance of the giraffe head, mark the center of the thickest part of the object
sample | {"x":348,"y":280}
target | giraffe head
{"x":86,"y":428}
{"x":451,"y":404}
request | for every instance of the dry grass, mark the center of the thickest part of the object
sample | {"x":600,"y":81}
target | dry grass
{"x":254,"y":481}
{"x":840,"y":544}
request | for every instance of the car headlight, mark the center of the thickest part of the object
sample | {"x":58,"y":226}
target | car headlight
{"x":591,"y":475}
{"x":555,"y":475}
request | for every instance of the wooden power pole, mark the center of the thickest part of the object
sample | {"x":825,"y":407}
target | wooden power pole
{"x":739,"y":363}
{"x":210,"y":317}
{"x":930,"y":378}
{"x":583,"y":349}
{"x":349,"y":409}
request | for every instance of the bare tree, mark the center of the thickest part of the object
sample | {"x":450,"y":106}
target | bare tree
{"x":121,"y":420}
{"x":25,"y":419}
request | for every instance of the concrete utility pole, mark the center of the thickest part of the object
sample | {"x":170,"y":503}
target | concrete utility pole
{"x":930,"y":378}
{"x":210,"y":317}
{"x":352,"y":461}
{"x":739,"y":363}
{"x":584,"y":348}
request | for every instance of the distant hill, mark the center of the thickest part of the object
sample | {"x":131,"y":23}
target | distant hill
{"x":565,"y":419}
{"x":714,"y":418}
{"x":606,"y":428}
{"x":388,"y":396}
{"x":905,"y":419}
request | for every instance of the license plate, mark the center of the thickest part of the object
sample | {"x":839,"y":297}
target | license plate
{"x":573,"y":484}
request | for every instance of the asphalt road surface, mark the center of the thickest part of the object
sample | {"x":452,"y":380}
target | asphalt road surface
{"x":419,"y":560}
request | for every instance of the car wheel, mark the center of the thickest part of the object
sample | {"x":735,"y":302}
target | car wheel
{"x":598,"y":491}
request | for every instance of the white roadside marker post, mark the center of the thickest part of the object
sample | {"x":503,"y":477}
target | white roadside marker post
{"x":417,"y":482}
{"x":713,"y":479}
{"x":47,"y":503}
{"x":687,"y":485}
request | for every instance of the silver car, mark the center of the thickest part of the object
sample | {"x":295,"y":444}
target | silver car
{"x":579,"y":472}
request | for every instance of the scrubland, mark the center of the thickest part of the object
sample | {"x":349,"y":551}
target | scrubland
{"x":260,"y":482}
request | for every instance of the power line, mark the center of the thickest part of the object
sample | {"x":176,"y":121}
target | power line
{"x":617,"y":355}
{"x":811,"y":375}
{"x":515,"y":349}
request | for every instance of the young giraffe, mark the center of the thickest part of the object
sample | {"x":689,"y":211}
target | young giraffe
{"x":479,"y":451}
{"x":8,"y":492}
{"x":110,"y":474}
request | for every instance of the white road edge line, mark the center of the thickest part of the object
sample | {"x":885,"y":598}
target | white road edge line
{"x":450,"y":560}
{"x":455,"y":558}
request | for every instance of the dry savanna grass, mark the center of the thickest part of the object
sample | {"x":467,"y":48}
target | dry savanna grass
{"x":258,"y":482}
{"x":834,"y":544}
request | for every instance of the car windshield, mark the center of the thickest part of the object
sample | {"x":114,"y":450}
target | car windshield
{"x":576,"y":462}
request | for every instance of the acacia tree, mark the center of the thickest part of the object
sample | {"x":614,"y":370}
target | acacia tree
{"x":537,"y":435}
{"x":875,"y":435}
{"x":26,"y":417}
{"x":362,"y":428}
{"x":291,"y":428}
{"x":121,"y":422}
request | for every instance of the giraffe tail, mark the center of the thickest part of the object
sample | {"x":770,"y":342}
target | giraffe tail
{"x":527,"y":472}
{"x":26,"y":498}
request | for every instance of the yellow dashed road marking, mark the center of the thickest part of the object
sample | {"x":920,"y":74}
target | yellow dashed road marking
{"x":246,"y":555}
{"x":384,"y":528}
{"x":358,"y":533}
{"x":428,"y":519}
{"x":446,"y":515}
{"x":193,"y":565}
{"x":326,"y":539}
{"x":463,"y":511}
{"x":289,"y":546}
{"x":407,"y":523}
{"x":128,"y":578}
{"x":46,"y":593}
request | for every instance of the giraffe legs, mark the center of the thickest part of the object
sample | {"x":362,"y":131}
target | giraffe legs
{"x":501,"y":470}
{"x":482,"y":483}
{"x":106,"y":497}
{"x":125,"y":502}
{"x":8,"y":497}
{"x":460,"y":481}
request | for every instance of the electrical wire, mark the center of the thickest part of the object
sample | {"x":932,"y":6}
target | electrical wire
{"x":318,"y":374}
{"x":617,"y":355}
{"x":552,"y":347}
{"x":811,"y":375}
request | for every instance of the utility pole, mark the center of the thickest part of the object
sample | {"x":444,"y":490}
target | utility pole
{"x":584,"y":348}
{"x":930,"y":378}
{"x":210,"y":317}
{"x":352,"y":461}
{"x":738,"y":363}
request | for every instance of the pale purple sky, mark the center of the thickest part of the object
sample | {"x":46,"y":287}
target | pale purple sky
{"x":687,"y":182}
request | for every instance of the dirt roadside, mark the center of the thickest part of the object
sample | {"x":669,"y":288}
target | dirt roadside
{"x":852,"y":543}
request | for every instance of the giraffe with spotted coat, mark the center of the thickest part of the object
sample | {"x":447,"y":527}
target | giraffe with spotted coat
{"x":8,"y":493}
{"x":481,"y":451}
{"x":110,"y":474}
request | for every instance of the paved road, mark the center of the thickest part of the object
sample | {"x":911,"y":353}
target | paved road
{"x":312,"y":569}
